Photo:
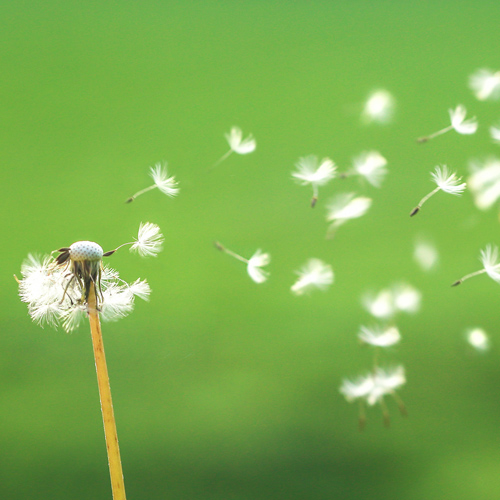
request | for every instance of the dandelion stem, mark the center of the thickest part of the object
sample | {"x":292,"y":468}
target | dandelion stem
{"x":423,"y":200}
{"x":435,"y":134}
{"x":222,"y":248}
{"x":142,"y":191}
{"x":467,"y":276}
{"x":401,"y":405}
{"x":222,"y":158}
{"x":114,"y":460}
{"x":385,"y":413}
{"x":315,"y":196}
{"x":362,"y":416}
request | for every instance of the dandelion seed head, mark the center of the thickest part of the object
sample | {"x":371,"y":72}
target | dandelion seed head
{"x":56,"y":289}
{"x":85,"y":251}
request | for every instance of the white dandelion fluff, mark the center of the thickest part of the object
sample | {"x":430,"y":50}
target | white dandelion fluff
{"x":149,"y":240}
{"x":485,"y":84}
{"x":167,"y":185}
{"x":381,"y":305}
{"x":446,"y":181}
{"x":237,"y":144}
{"x":491,"y":265}
{"x":314,"y":274}
{"x":484,"y":182}
{"x":57,"y":289}
{"x":425,"y":255}
{"x":378,"y":108}
{"x":400,"y":297}
{"x":311,"y":171}
{"x":371,"y":389}
{"x":254,"y":264}
{"x":370,"y":165}
{"x":458,"y":123}
{"x":378,"y":336}
{"x":478,"y":339}
{"x":495,"y":133}
{"x":344,"y":207}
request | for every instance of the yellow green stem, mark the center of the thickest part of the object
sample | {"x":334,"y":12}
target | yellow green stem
{"x":114,"y":460}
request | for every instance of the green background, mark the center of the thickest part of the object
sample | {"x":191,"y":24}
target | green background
{"x":224,"y":389}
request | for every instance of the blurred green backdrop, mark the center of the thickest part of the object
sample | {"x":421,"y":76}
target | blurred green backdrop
{"x":224,"y":389}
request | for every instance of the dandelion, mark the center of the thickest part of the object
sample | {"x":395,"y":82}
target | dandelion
{"x":237,"y":144}
{"x":478,"y":339}
{"x":372,"y":388}
{"x":74,"y":285}
{"x":446,"y":181}
{"x":425,"y":255}
{"x":344,"y":207}
{"x":378,"y":108}
{"x":370,"y":165}
{"x":162,"y":181}
{"x":495,"y":133}
{"x":484,"y":182}
{"x":458,"y":123}
{"x":485,"y":84}
{"x":379,"y":337}
{"x":310,"y":171}
{"x":491,"y":266}
{"x":314,"y":274}
{"x":254,"y":263}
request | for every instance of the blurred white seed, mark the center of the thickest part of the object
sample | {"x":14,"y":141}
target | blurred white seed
{"x":478,"y":339}
{"x":237,"y":144}
{"x":485,"y":84}
{"x":425,"y":255}
{"x":378,"y":108}
{"x":311,"y":171}
{"x":314,"y":274}
{"x":484,"y":182}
